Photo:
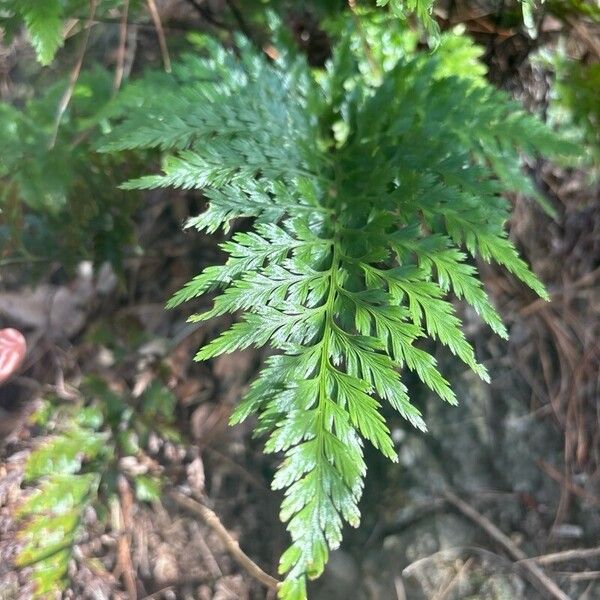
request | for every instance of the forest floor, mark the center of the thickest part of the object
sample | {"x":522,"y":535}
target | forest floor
{"x":476,"y":508}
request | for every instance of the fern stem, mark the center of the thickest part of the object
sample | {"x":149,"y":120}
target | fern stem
{"x":329,"y":323}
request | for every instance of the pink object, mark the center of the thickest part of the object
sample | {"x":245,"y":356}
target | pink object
{"x":12,"y":352}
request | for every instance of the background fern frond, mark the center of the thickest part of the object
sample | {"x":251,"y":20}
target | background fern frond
{"x":53,"y":513}
{"x":44,"y":21}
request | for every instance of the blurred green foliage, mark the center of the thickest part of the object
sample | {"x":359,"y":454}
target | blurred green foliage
{"x":77,"y":468}
{"x":564,"y":9}
{"x":577,"y":93}
{"x":59,"y":198}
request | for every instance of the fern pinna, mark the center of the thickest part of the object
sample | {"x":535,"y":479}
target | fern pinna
{"x":367,"y":201}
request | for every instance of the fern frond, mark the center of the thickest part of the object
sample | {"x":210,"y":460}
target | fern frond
{"x":422,"y":8}
{"x":53,"y":513}
{"x":77,"y":467}
{"x":357,"y":241}
{"x":44,"y":21}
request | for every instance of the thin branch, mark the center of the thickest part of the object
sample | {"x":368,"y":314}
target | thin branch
{"x":451,"y":554}
{"x":555,"y":474}
{"x":583,"y":576}
{"x":211,"y":519}
{"x":445,"y":593}
{"x":567,"y":555}
{"x":23,"y":260}
{"x":160,"y":32}
{"x":173,"y":25}
{"x":125,"y":564}
{"x":66,"y":98}
{"x":122,"y":46}
{"x":536,"y":573}
{"x":177,"y":583}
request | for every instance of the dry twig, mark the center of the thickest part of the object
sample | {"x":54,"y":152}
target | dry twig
{"x":555,"y":474}
{"x":582,"y":576}
{"x":125,"y":564}
{"x":536,"y":573}
{"x":66,"y":97}
{"x":160,"y":32}
{"x":173,"y":584}
{"x":399,"y":587}
{"x":120,"y":68}
{"x":211,"y":519}
{"x":445,"y":593}
{"x":567,"y":555}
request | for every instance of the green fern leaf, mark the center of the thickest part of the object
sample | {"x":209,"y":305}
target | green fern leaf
{"x":44,"y":21}
{"x":53,"y":514}
{"x":356,"y":242}
{"x":422,"y":8}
